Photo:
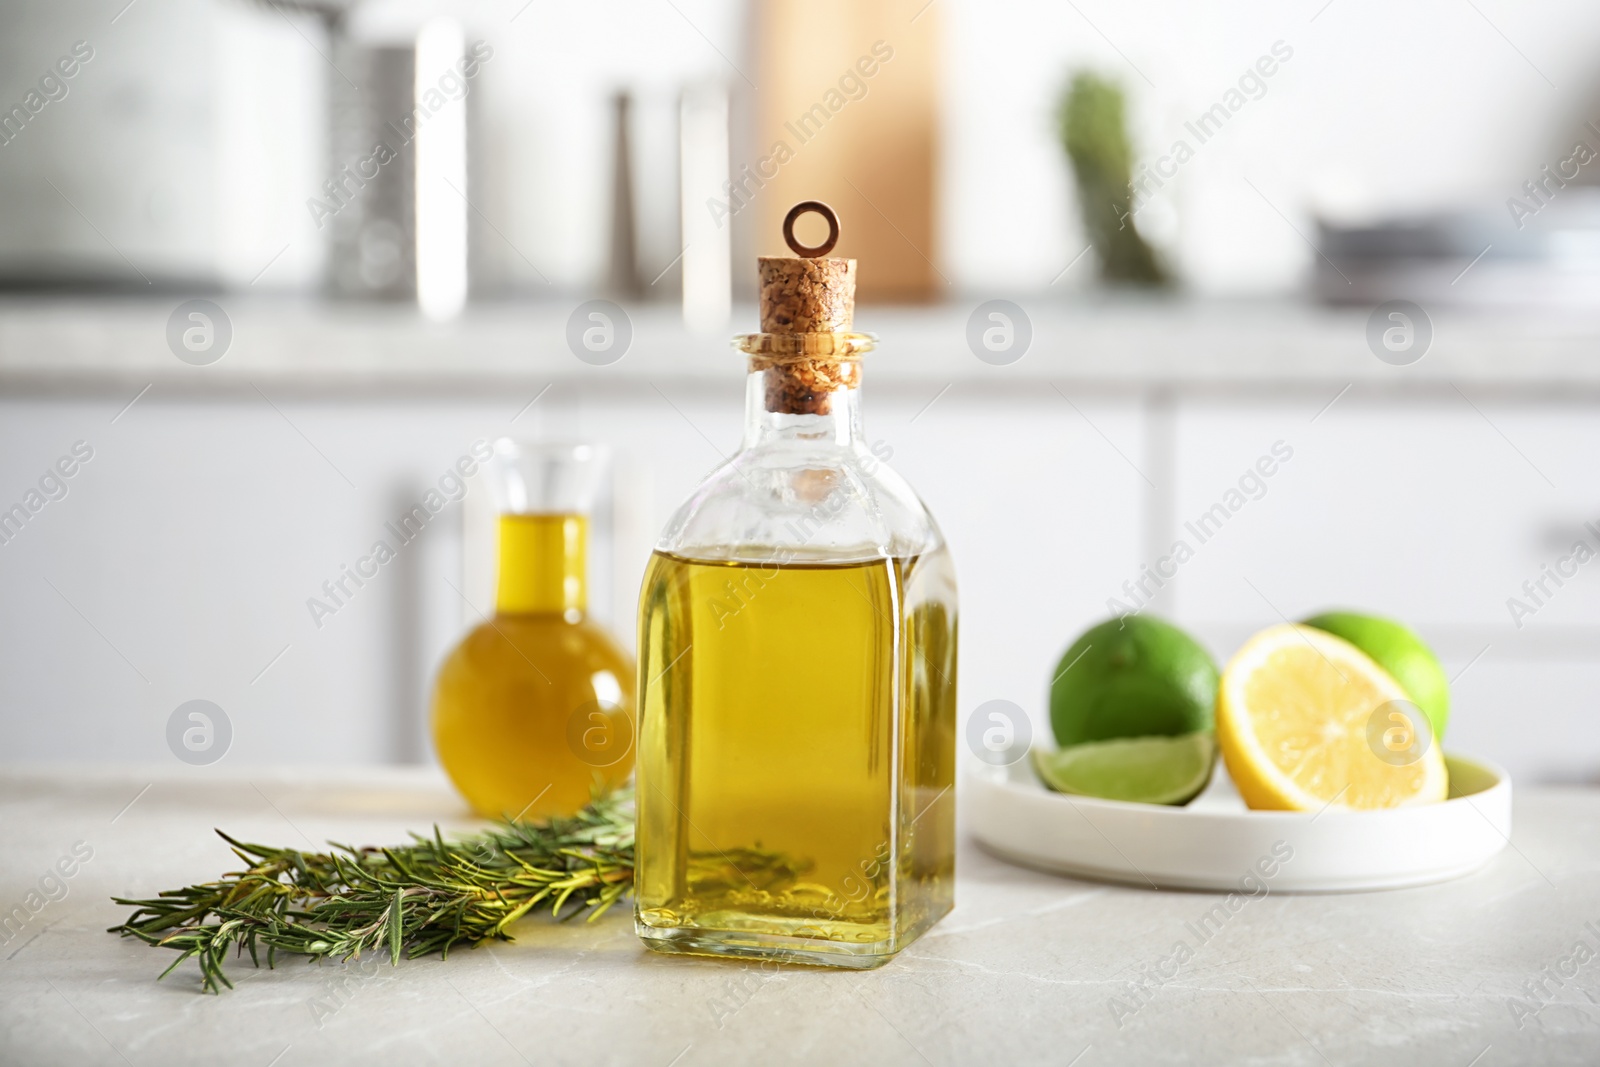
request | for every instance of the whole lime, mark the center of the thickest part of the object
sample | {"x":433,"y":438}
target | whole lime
{"x":1135,"y":676}
{"x":1396,"y":648}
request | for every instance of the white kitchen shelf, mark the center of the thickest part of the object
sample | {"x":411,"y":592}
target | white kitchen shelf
{"x":104,"y":346}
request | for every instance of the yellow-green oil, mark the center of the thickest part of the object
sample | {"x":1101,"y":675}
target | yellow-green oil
{"x":534,"y":709}
{"x":796,"y":756}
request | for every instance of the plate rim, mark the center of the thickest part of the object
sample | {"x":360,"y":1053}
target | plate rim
{"x":997,"y":787}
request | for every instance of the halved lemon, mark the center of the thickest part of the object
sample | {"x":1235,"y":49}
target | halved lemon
{"x":1295,"y":721}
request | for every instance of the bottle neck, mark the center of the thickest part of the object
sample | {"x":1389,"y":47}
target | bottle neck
{"x":779,"y":406}
{"x":543,"y":565}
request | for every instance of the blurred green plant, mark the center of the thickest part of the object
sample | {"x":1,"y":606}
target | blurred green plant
{"x":1094,"y":132}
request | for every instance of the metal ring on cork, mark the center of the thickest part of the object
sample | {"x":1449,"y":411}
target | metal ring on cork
{"x":827,"y":213}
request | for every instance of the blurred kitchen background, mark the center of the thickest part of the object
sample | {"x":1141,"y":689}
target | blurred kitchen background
{"x":398,"y":211}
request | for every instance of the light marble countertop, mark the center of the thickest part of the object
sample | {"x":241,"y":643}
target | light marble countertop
{"x":79,"y":346}
{"x":1029,"y":968}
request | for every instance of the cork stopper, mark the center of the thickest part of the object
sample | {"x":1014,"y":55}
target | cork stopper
{"x":807,"y":295}
{"x":811,"y":294}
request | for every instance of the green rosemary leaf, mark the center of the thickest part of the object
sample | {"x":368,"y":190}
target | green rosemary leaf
{"x":395,"y":927}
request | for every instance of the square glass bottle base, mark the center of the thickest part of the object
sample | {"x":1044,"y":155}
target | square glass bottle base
{"x":781,"y":948}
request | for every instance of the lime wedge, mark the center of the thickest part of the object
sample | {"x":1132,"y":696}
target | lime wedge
{"x":1144,"y":770}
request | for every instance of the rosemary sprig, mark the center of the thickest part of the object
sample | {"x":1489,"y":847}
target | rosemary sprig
{"x":411,"y":900}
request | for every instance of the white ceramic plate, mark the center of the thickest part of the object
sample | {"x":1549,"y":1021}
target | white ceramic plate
{"x":1216,"y":843}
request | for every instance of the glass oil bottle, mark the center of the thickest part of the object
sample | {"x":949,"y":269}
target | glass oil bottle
{"x":534,"y":710}
{"x":797,"y":668}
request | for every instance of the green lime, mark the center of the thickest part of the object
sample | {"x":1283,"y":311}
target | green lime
{"x":1132,"y":677}
{"x":1144,"y":770}
{"x":1396,"y":648}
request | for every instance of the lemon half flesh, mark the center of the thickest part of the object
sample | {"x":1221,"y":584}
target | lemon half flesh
{"x":1293,"y":721}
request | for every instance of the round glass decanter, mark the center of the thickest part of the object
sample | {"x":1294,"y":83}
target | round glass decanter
{"x":534,"y":710}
